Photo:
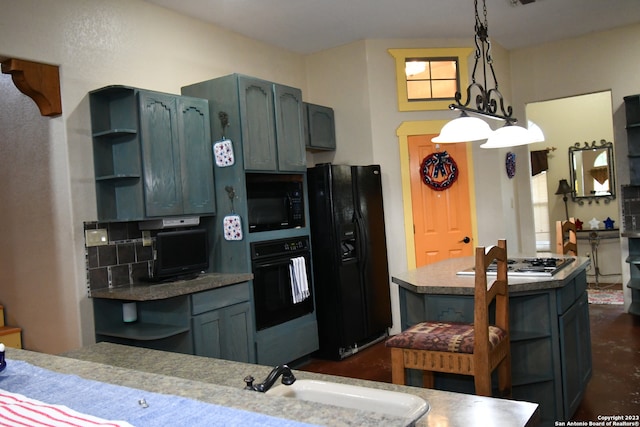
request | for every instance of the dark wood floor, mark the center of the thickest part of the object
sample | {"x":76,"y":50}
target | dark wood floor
{"x":614,"y":388}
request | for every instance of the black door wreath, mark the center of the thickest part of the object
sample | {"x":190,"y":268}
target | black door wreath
{"x":439,"y":170}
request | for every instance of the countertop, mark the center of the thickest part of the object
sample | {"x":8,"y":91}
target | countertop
{"x":163,"y":290}
{"x":440,"y":278}
{"x":221,"y":382}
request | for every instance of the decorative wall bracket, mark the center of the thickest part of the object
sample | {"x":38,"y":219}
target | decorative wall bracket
{"x":40,"y":82}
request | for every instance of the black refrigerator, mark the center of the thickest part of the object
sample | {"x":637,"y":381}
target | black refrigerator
{"x":350,"y":269}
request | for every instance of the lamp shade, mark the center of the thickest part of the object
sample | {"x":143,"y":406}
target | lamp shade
{"x":464,"y":129}
{"x":534,"y":130}
{"x":563,"y":187}
{"x":508,"y":136}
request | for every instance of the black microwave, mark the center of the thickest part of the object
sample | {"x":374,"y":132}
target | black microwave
{"x":275,"y":202}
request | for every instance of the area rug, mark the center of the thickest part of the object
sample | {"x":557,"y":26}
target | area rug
{"x":605,"y":296}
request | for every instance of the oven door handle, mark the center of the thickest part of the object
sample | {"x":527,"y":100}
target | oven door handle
{"x":278,"y":262}
{"x":272,"y":264}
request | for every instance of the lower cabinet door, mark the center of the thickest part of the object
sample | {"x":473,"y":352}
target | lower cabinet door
{"x":575,"y":339}
{"x":238,"y":340}
{"x":206,"y":334}
{"x":226,"y":333}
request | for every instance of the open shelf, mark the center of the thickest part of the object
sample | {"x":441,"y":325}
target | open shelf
{"x":633,"y":259}
{"x":119,"y":177}
{"x":634,"y":283}
{"x":142,"y":331}
{"x":114,"y":135}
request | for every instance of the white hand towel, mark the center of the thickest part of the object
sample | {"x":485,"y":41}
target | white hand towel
{"x":293,"y":280}
{"x":304,"y":283}
{"x":298,"y":278}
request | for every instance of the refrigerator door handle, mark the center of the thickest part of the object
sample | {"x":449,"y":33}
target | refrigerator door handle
{"x":361,"y":239}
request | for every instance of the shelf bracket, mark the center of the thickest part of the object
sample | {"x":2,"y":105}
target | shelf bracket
{"x":40,"y":82}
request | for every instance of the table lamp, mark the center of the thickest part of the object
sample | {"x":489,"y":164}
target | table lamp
{"x":564,"y":188}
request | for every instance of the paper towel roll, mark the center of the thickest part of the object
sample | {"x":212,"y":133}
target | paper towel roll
{"x":129,"y":312}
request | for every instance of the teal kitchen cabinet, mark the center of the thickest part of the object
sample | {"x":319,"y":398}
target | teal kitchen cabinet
{"x":630,"y":198}
{"x":575,"y":348}
{"x":216,"y":322}
{"x":320,"y":128}
{"x":152,"y":154}
{"x":222,"y":323}
{"x":265,"y":118}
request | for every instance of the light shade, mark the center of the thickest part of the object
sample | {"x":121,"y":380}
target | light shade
{"x":563,"y":187}
{"x":536,"y":133}
{"x":508,"y":136}
{"x":464,"y":129}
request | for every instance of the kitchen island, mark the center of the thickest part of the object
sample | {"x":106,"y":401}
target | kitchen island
{"x":549,"y":322}
{"x":220,"y":382}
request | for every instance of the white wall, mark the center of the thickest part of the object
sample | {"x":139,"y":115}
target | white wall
{"x":593,"y":63}
{"x":566,"y":121}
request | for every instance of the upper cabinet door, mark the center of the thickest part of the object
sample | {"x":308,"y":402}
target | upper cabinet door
{"x":290,"y":129}
{"x":160,"y":154}
{"x":258,"y":124}
{"x":196,"y":160}
{"x":321,"y":128}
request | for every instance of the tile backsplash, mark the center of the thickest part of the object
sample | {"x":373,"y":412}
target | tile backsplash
{"x":122,"y":260}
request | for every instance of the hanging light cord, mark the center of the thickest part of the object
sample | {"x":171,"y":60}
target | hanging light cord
{"x":486,"y":101}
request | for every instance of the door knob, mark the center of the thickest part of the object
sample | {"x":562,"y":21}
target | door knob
{"x":465,"y":240}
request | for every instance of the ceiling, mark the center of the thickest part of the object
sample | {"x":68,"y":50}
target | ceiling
{"x":308,"y":26}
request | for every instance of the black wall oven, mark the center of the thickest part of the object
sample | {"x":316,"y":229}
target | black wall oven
{"x":273,"y":289}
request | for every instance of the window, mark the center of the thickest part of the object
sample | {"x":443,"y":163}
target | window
{"x":600,"y":169}
{"x":427,"y":79}
{"x":431,"y":78}
{"x":540,"y":201}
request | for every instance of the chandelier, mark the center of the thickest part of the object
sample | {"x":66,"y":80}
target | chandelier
{"x":488,"y":103}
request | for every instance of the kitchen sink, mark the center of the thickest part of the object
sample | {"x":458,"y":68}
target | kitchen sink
{"x":392,"y":403}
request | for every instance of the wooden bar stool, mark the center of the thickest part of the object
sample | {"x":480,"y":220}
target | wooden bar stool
{"x":474,"y":349}
{"x":566,"y":237}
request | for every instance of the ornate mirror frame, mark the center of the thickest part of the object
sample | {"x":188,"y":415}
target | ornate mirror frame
{"x":581,"y":157}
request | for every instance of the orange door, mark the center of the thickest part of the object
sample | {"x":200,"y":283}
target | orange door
{"x":441,"y":218}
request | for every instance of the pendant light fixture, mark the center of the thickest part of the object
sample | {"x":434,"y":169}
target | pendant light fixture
{"x":488,"y":102}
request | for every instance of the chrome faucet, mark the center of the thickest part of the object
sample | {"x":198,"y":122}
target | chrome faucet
{"x":287,"y":379}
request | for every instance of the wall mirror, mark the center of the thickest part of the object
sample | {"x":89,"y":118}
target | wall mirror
{"x":592,"y":172}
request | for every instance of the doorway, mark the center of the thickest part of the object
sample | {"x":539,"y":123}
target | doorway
{"x":424,"y":131}
{"x":566,"y":122}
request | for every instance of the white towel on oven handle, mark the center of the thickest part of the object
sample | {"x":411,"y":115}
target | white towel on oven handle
{"x":299,"y":282}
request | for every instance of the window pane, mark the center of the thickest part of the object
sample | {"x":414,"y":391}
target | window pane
{"x":417,"y":70}
{"x":444,"y":88}
{"x":443,"y":70}
{"x":419,"y":89}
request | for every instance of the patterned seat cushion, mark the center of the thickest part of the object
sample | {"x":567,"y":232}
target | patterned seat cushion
{"x":443,"y":336}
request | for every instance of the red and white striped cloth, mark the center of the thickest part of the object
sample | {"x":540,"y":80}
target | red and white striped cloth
{"x":17,"y":410}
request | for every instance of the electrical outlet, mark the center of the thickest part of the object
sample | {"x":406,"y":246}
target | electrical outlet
{"x":97,"y":237}
{"x":146,"y":238}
